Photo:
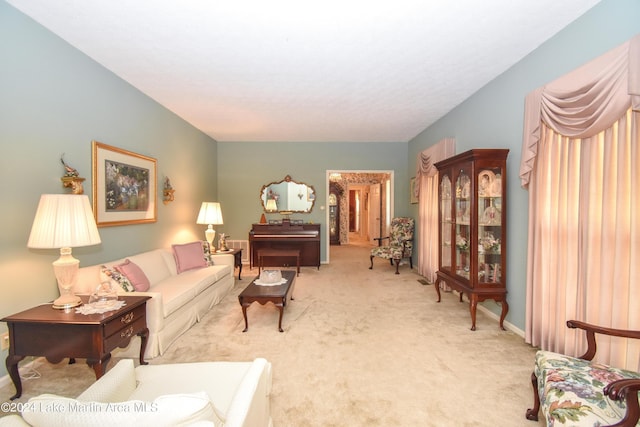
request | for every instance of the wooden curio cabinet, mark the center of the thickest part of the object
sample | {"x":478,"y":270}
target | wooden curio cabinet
{"x":472,"y":235}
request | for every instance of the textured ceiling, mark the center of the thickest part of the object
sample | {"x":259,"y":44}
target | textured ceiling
{"x":294,"y":70}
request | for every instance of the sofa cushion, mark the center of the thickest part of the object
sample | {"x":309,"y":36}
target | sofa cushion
{"x":189,"y":256}
{"x":154,"y":380}
{"x":168,"y":410}
{"x":117,"y":279}
{"x":155,"y":264}
{"x":175,"y":294}
{"x":571,"y":390}
{"x":135,"y":275}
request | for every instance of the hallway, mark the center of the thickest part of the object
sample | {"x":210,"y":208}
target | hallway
{"x":356,"y":239}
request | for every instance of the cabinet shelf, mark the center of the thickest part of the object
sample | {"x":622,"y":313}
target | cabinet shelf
{"x":472,"y":217}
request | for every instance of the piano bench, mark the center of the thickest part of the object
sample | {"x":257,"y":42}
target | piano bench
{"x":278,"y":253}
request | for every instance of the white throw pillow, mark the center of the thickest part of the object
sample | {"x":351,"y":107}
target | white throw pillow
{"x":170,"y":410}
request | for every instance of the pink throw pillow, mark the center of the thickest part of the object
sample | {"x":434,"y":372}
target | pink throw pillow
{"x":135,"y":275}
{"x":189,"y":256}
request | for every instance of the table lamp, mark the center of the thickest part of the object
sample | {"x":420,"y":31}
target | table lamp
{"x":64,"y":221}
{"x":210,"y":214}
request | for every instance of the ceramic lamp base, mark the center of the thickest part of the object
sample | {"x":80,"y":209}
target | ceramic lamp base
{"x":66,"y":301}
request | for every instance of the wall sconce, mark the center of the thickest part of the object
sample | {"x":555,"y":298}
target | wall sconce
{"x":167,"y":191}
{"x":71,"y":178}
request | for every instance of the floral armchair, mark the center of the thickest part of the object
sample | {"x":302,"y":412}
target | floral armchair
{"x":400,"y":243}
{"x":574,"y":391}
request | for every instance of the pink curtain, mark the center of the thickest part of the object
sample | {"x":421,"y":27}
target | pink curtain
{"x":581,"y":163}
{"x":583,"y":102}
{"x":426,"y":190}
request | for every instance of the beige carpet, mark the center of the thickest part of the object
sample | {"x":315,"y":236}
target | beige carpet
{"x":360,"y":348}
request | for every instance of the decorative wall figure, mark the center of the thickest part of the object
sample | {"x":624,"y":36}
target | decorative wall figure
{"x":71,"y":178}
{"x":167,"y":191}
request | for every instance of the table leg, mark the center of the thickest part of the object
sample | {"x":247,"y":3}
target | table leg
{"x":281,"y":308}
{"x":99,"y":366}
{"x":144,"y":338}
{"x":12,"y":367}
{"x":473,"y":305}
{"x":505,"y":309}
{"x":246,"y":322}
{"x":238,"y":262}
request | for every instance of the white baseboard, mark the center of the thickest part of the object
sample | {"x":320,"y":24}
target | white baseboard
{"x":507,"y":325}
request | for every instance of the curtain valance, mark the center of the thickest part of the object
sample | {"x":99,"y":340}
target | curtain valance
{"x":583,"y":102}
{"x":443,"y":149}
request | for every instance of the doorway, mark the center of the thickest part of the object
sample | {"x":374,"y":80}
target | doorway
{"x":366,"y":206}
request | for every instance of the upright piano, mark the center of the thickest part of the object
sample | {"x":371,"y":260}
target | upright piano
{"x":304,"y":237}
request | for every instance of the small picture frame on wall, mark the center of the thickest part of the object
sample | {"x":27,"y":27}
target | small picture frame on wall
{"x":124,"y":186}
{"x":412,"y":191}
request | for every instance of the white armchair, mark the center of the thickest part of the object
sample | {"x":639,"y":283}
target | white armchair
{"x":233,"y":394}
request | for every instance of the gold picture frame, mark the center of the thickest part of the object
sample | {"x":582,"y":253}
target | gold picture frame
{"x":124,"y":186}
{"x":412,"y":191}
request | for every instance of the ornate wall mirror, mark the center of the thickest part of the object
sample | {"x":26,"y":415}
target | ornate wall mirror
{"x":287,"y":196}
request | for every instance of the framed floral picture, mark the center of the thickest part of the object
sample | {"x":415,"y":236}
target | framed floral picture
{"x":412,"y":191}
{"x":124,"y":186}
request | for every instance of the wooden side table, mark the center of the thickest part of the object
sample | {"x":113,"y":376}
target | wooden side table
{"x":237,"y":255}
{"x":56,"y":334}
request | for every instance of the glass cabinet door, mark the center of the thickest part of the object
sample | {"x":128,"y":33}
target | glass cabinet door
{"x":463,"y":232}
{"x":473,"y":226}
{"x":490,"y":225}
{"x":446,"y":223}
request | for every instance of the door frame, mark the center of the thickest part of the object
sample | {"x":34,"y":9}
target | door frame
{"x":390,"y":199}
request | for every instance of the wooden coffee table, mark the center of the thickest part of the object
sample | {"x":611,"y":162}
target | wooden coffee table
{"x":264,"y":294}
{"x":278,"y":253}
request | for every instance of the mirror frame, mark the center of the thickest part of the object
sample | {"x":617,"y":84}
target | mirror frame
{"x":310,"y":191}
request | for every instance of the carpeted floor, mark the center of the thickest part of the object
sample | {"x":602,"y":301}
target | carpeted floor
{"x":360,"y":347}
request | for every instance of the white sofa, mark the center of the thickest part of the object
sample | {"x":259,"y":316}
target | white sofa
{"x":178,"y":300}
{"x":230,"y":394}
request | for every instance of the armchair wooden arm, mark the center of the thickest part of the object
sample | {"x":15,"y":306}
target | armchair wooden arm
{"x":626,"y":390}
{"x":592,"y":330}
{"x":621,"y":390}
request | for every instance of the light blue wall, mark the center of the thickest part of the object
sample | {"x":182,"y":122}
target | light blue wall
{"x":493,"y":118}
{"x":55,"y":100}
{"x":243,"y":168}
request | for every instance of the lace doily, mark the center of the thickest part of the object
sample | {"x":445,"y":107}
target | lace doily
{"x":261,"y":283}
{"x":100,"y":307}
